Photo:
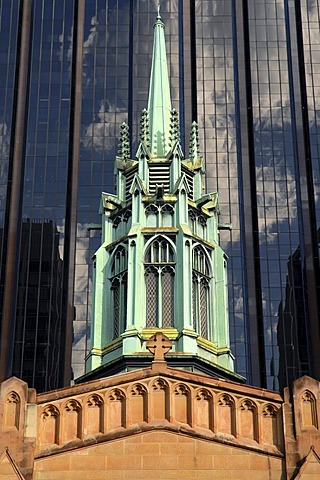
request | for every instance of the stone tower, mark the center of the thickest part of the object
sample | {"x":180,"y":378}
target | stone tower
{"x":160,"y":266}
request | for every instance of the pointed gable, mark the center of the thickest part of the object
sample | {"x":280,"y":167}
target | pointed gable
{"x":310,"y":469}
{"x":137,"y":185}
{"x":181,"y":184}
{"x":8,"y":468}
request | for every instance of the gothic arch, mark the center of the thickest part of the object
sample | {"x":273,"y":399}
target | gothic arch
{"x":120,"y":247}
{"x":116,"y":394}
{"x":201,"y":285}
{"x":160,"y":396}
{"x":308,"y":405}
{"x":248,"y":415}
{"x":152,"y":214}
{"x":72,"y":420}
{"x":50,"y":425}
{"x":182,"y":403}
{"x":159,"y":384}
{"x":167,"y":208}
{"x":117,"y":274}
{"x":115,"y":408}
{"x":199,"y":246}
{"x":159,"y":265}
{"x":270,"y":433}
{"x":12,"y":410}
{"x":93,"y":414}
{"x":138,"y":393}
{"x":138,"y":389}
{"x":225,"y":414}
{"x":157,"y":238}
{"x":203,"y":408}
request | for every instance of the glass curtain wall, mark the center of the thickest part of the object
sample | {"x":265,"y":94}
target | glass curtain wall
{"x":39,"y":317}
{"x":218,"y":118}
{"x":9,"y":21}
{"x":277,"y":192}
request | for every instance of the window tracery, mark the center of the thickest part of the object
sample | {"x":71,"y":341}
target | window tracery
{"x":200,"y":291}
{"x":119,"y":290}
{"x":12,"y":410}
{"x":159,"y":279}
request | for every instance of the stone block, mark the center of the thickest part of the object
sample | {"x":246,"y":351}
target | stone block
{"x":127,"y":463}
{"x":157,"y":462}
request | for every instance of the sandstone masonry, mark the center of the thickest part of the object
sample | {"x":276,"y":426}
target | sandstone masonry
{"x":160,"y":421}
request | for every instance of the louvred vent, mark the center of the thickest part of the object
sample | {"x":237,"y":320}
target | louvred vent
{"x":129,"y":178}
{"x":159,"y":174}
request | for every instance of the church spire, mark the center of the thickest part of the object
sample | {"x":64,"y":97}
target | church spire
{"x":159,"y":102}
{"x":160,"y":266}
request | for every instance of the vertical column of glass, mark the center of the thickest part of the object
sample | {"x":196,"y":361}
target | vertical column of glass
{"x":14,"y":169}
{"x":38,"y":342}
{"x":308,"y":31}
{"x":310,"y":13}
{"x":217,"y":118}
{"x":105,"y":81}
{"x":8,"y":43}
{"x":276,"y":195}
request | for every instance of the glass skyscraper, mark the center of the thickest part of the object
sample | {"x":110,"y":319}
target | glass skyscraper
{"x":248,"y":71}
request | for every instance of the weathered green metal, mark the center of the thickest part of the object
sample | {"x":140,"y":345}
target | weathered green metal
{"x":160,"y":206}
{"x":159,"y":102}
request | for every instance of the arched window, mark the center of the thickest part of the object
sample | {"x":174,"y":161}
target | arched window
{"x":193,"y":221}
{"x":119,"y":290}
{"x":159,"y":275}
{"x":200,"y":291}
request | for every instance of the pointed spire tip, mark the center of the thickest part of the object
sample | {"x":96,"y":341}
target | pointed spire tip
{"x":158,"y":15}
{"x":159,"y":101}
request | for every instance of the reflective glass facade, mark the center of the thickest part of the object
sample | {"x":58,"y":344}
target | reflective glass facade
{"x":248,"y":72}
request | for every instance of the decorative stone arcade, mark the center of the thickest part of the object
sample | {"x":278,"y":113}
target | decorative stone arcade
{"x":160,"y":266}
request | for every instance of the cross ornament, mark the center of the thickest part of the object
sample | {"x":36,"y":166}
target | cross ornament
{"x":159,"y":345}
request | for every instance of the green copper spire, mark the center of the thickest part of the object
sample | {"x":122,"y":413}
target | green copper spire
{"x":159,"y":102}
{"x":160,"y":266}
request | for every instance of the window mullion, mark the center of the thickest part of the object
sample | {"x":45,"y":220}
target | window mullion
{"x":121,"y":313}
{"x":194,"y":302}
{"x":159,"y":300}
{"x":198,"y":306}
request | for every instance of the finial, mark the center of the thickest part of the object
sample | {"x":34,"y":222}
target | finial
{"x":174,"y":127}
{"x":144,"y":128}
{"x":124,"y":142}
{"x":194,"y":142}
{"x":158,"y":16}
